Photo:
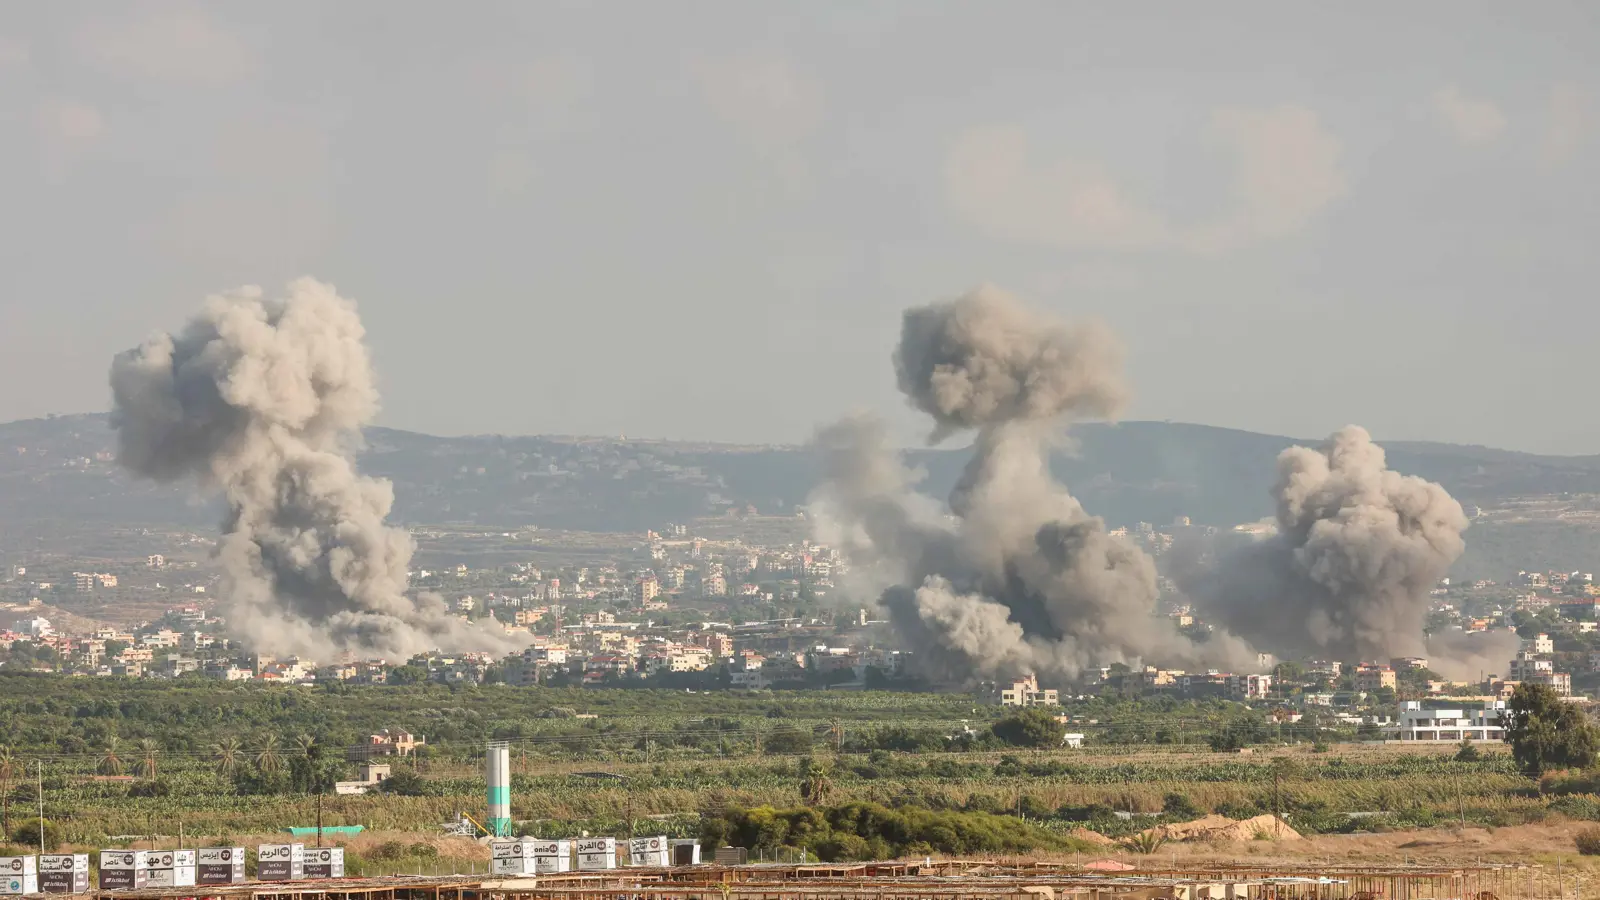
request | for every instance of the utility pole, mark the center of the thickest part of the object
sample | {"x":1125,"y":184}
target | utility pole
{"x":319,"y":820}
{"x":41,"y":807}
{"x":1277,"y":801}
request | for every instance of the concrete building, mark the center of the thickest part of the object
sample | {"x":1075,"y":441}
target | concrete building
{"x":1249,"y":687}
{"x":1372,"y":677}
{"x":1527,"y":667}
{"x":646,"y":589}
{"x":1026,"y":692}
{"x":372,"y":775}
{"x":1560,"y":682}
{"x":386,"y":743}
{"x":1325,"y":668}
{"x":1417,"y":723}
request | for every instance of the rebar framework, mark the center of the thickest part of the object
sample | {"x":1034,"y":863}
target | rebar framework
{"x":939,"y":880}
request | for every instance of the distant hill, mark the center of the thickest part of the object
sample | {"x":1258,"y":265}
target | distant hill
{"x":61,"y":469}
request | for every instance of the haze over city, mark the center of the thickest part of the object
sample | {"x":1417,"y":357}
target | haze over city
{"x":704,"y":222}
{"x":885,"y":449}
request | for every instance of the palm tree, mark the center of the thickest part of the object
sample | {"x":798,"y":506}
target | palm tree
{"x":146,"y":764}
{"x":815,"y":785}
{"x":8,"y":771}
{"x":303,"y":768}
{"x":268,"y":760}
{"x":226,"y":753}
{"x":110,"y":762}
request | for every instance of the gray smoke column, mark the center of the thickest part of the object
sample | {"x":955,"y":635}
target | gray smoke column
{"x":263,"y":400}
{"x":1017,"y":577}
{"x":1347,"y":576}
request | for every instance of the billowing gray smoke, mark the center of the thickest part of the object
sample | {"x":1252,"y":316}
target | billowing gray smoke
{"x":264,"y":400}
{"x":1348,"y":574}
{"x":1018,"y":578}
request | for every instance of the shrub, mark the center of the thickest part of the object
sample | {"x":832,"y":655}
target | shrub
{"x":1032,"y":807}
{"x":405,"y":783}
{"x":422,"y":850}
{"x":1179,"y":805}
{"x":1086,"y":813}
{"x":1577,"y":807}
{"x":787,"y":741}
{"x":388,"y":850}
{"x":1588,"y":841}
{"x":150,"y":789}
{"x":1237,"y":810}
{"x":1559,"y":783}
{"x":1030,"y":728}
{"x":870,"y":831}
{"x":27,"y":834}
{"x":843,"y":848}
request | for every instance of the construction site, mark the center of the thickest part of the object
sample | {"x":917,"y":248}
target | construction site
{"x":936,"y":880}
{"x":1210,"y":858}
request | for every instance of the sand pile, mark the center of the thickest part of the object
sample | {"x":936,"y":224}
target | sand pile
{"x":1247,"y":829}
{"x":1215,"y":828}
{"x":1093,"y":837}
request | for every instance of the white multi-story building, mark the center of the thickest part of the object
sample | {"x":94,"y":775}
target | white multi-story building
{"x":1446,"y":725}
{"x":1539,"y":644}
{"x":1249,"y":687}
{"x":38,"y":627}
{"x":1560,"y":682}
{"x":1527,"y":667}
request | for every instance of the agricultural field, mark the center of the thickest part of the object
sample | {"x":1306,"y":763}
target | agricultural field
{"x":124,"y":761}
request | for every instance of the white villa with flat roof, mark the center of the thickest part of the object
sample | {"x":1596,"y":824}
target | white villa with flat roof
{"x":1417,"y":723}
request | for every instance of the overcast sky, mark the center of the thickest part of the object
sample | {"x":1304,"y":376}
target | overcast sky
{"x":702,"y":220}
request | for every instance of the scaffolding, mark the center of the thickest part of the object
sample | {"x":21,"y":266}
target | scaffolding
{"x":932,"y":880}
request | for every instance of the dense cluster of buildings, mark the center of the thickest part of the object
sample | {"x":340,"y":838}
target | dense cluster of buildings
{"x":594,"y":650}
{"x":611,"y":623}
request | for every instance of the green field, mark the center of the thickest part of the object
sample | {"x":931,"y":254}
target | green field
{"x":220,"y":761}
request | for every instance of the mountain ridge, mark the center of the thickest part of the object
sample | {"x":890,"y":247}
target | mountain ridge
{"x":1127,"y":472}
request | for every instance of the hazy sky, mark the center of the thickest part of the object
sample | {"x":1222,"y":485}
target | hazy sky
{"x":702,"y":220}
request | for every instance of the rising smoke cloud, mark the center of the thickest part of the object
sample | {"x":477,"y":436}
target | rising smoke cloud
{"x":263,"y":400}
{"x":1017,"y":577}
{"x":1347,"y":575}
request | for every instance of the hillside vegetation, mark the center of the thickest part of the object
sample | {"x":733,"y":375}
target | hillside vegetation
{"x":60,"y":470}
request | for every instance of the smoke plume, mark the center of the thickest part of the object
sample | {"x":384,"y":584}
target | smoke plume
{"x":1347,"y":576}
{"x":263,"y":400}
{"x":1017,"y":577}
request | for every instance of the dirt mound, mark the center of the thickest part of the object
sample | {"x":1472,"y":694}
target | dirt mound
{"x":1093,"y":837}
{"x":1215,"y":828}
{"x":1197,"y":830}
{"x":1246,"y":830}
